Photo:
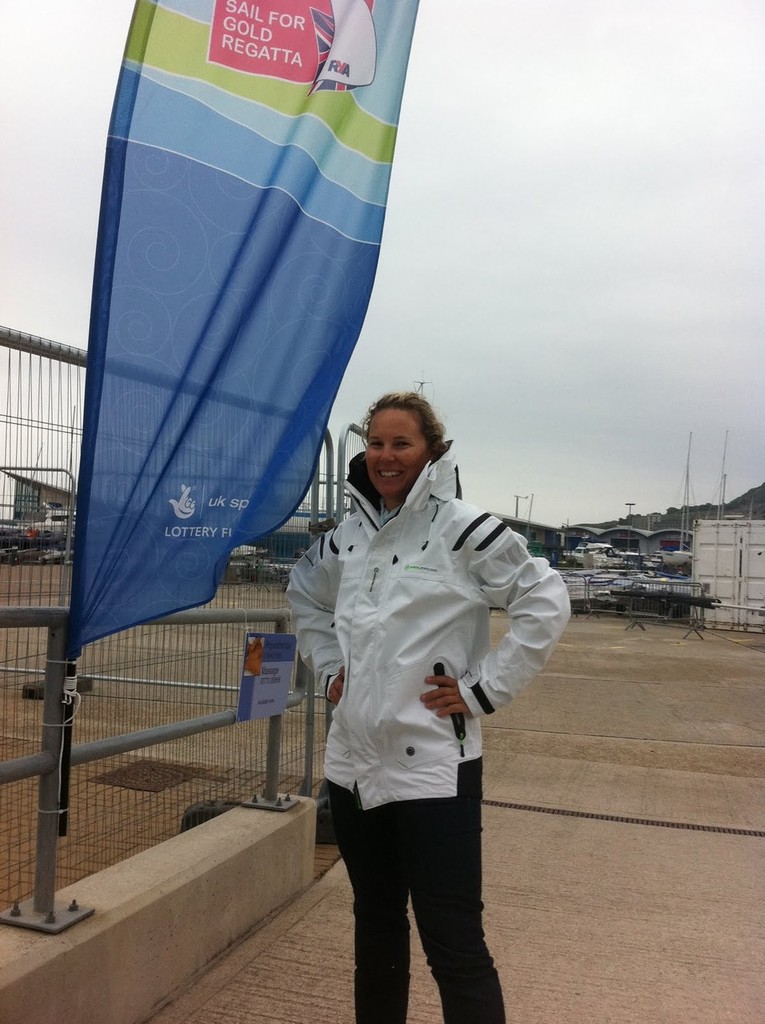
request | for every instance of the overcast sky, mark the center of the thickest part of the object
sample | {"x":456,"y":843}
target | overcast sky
{"x":573,"y":251}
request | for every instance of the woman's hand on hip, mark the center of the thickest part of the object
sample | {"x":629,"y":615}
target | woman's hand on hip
{"x":444,"y":697}
{"x":335,"y":688}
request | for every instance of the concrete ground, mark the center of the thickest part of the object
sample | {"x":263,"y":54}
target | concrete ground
{"x":623,"y":845}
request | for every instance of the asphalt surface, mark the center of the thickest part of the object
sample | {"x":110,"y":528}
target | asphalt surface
{"x":624,"y":852}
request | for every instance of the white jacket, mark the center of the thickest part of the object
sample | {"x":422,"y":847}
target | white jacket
{"x":389,"y":602}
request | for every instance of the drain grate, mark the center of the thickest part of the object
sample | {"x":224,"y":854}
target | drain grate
{"x":152,"y":776}
{"x":721,"y":829}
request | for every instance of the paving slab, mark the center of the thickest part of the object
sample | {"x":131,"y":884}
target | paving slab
{"x":624,"y":852}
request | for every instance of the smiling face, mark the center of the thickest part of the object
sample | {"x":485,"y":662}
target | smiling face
{"x":397,"y":453}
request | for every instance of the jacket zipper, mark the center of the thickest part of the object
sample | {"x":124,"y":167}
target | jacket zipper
{"x":374,"y":578}
{"x":458,"y":721}
{"x":458,"y":718}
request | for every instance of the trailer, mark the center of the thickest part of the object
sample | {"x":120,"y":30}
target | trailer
{"x":729,"y":563}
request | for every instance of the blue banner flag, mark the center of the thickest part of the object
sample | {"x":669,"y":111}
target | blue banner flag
{"x":247,"y":172}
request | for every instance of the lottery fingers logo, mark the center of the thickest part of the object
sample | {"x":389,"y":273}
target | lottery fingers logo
{"x":185,"y":506}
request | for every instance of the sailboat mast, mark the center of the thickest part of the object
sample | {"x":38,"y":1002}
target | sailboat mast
{"x":684,"y":515}
{"x":721,"y":505}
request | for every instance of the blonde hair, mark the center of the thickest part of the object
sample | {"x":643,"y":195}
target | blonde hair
{"x":431,"y":426}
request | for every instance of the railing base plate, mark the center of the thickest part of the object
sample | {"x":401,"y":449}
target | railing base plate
{"x":23,"y":915}
{"x":260,"y":803}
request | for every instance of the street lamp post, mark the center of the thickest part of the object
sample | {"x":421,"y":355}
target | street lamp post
{"x":528,"y":521}
{"x":630,"y":505}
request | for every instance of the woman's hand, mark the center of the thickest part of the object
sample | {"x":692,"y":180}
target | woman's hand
{"x":445,"y":697}
{"x":335,"y":688}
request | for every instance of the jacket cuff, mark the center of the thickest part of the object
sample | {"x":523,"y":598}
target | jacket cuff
{"x":327,"y":678}
{"x":474,"y":695}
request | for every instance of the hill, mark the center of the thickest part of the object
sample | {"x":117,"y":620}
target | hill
{"x":750,"y":505}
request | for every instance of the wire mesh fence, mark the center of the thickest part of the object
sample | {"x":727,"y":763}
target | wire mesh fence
{"x":144,"y":678}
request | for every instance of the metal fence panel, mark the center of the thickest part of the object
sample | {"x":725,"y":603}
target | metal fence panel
{"x":350,"y":443}
{"x":635,"y":595}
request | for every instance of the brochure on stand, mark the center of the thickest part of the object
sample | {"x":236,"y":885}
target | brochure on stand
{"x":267,"y":666}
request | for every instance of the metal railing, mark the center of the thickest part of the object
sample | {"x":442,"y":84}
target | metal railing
{"x":350,"y":442}
{"x":53,"y":762}
{"x":636,"y":596}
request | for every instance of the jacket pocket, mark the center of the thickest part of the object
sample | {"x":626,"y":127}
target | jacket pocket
{"x":418,"y":736}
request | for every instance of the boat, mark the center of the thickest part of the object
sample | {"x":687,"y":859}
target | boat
{"x":682,"y":556}
{"x":595,"y":555}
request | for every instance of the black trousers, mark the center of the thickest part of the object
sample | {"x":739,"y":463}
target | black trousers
{"x":429,"y":850}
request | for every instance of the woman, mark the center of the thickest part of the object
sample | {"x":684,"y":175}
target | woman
{"x":392,"y":612}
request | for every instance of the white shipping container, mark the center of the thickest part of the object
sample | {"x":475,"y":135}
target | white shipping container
{"x":729,"y":562}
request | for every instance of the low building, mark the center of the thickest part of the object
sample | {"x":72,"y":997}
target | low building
{"x":630,"y":539}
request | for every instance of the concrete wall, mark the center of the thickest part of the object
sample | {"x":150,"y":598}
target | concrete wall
{"x":160,"y":917}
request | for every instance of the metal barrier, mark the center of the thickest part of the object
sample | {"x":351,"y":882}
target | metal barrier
{"x":56,"y":756}
{"x":637,"y":596}
{"x":663,"y":601}
{"x":40,"y":431}
{"x":350,"y":442}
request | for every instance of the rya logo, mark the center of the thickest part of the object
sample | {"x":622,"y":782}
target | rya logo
{"x":340,"y":68}
{"x":184,"y":507}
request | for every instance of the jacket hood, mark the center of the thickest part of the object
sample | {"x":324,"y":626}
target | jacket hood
{"x":439,"y":479}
